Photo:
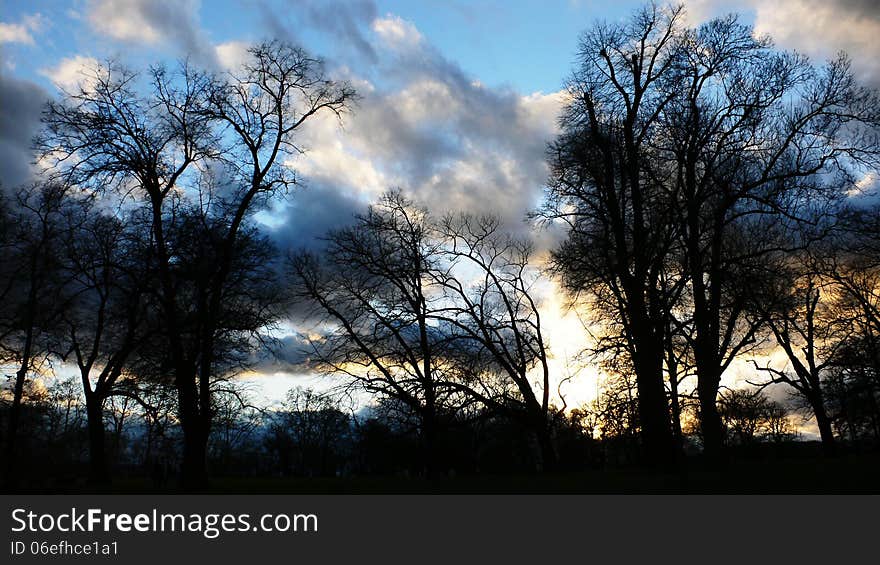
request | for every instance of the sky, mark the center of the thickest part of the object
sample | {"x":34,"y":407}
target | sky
{"x":457,"y":99}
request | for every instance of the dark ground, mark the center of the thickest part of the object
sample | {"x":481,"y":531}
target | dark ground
{"x":850,"y":474}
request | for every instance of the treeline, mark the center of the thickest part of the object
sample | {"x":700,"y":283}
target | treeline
{"x":705,"y":185}
{"x":314,"y":435}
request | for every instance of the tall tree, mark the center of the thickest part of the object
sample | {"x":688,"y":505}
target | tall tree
{"x":607,"y":189}
{"x":214,"y":144}
{"x":758,"y":140}
{"x":707,"y":147}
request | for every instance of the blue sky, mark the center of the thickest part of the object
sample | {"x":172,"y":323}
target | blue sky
{"x":458,"y":99}
{"x":526,"y":45}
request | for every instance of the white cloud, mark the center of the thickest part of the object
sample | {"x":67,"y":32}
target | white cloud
{"x":72,"y":73}
{"x":539,"y":111}
{"x":397,"y":33}
{"x":445,"y":138}
{"x":425,"y":100}
{"x":818,"y":28}
{"x":22,"y":32}
{"x":133,"y":20}
{"x":232,"y":54}
{"x":154,"y":23}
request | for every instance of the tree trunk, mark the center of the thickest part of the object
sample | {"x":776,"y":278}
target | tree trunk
{"x":15,"y":412}
{"x":647,"y":360}
{"x":98,"y":472}
{"x":672,"y":370}
{"x":710,"y":419}
{"x":549,"y":458}
{"x":12,"y":430}
{"x":829,"y":444}
{"x":194,"y":471}
{"x":677,"y":436}
{"x":653,"y":412}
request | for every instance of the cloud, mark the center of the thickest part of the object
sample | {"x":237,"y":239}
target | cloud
{"x":818,"y":28}
{"x":424,"y":126}
{"x":232,"y":55}
{"x":153,"y":22}
{"x":312,"y":211}
{"x":397,"y":32}
{"x":348,"y":22}
{"x":345,"y":20}
{"x":22,"y":32}
{"x":286,"y":354}
{"x":21,"y":102}
{"x":72,"y":72}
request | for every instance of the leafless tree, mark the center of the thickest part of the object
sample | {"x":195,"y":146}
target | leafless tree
{"x":215,"y":145}
{"x":32,"y":293}
{"x":811,"y":329}
{"x":615,"y":201}
{"x":704,"y":146}
{"x":749,"y":416}
{"x":372,"y":290}
{"x":758,"y":140}
{"x":439,"y":315}
{"x":105,"y":319}
{"x":498,"y":315}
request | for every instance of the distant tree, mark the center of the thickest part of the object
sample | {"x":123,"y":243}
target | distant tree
{"x":32,"y":294}
{"x":749,"y":416}
{"x":310,"y":434}
{"x":156,"y":445}
{"x":235,"y":436}
{"x":616,"y":408}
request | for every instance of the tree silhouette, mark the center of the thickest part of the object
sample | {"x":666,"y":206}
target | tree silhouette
{"x":606,"y":188}
{"x":706,"y":147}
{"x":32,"y":293}
{"x":215,"y":144}
{"x":373,"y":287}
{"x":105,"y":320}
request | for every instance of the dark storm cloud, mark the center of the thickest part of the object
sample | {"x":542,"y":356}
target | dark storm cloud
{"x":347,"y":21}
{"x":291,"y":353}
{"x":310,"y":214}
{"x":21,"y":102}
{"x":864,"y":8}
